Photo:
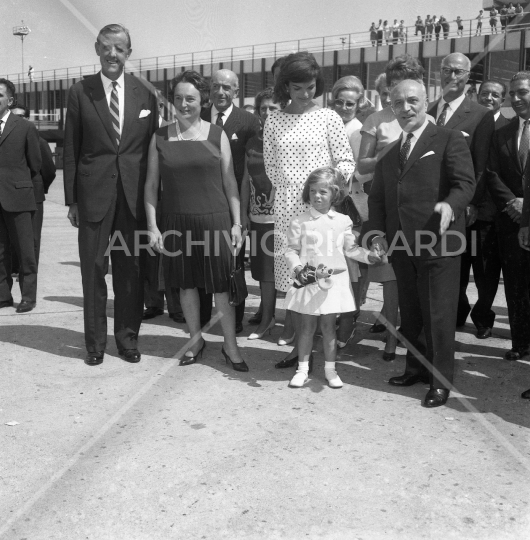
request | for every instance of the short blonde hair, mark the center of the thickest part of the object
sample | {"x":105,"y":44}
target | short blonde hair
{"x":350,"y":82}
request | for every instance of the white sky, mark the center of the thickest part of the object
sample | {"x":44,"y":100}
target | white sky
{"x":62,"y":30}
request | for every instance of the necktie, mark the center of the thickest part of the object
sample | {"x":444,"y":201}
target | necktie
{"x":115,"y":112}
{"x":441,"y":118}
{"x":404,"y":152}
{"x":219,"y":120}
{"x":524,"y":145}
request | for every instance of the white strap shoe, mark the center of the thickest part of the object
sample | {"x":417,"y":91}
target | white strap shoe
{"x":332,"y":378}
{"x":299,"y":379}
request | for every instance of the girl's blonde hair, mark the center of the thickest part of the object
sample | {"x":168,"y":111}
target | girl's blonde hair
{"x":335,"y":183}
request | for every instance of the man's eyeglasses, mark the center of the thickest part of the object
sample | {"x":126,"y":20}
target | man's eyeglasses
{"x":458,"y":72}
{"x":346,"y":104}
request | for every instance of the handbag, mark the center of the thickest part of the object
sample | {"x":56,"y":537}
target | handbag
{"x":237,"y":289}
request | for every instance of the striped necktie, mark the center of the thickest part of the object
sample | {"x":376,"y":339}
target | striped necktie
{"x":115,"y":111}
{"x":404,"y":152}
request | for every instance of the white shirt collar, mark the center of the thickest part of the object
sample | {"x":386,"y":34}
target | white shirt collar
{"x":496,"y":115}
{"x":416,"y":133}
{"x":453,"y":105}
{"x":315,"y":214}
{"x":107,"y":82}
{"x":6,"y":116}
{"x":521,"y":123}
{"x":226,"y":113}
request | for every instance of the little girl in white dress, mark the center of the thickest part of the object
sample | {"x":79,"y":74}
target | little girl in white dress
{"x":317,"y":242}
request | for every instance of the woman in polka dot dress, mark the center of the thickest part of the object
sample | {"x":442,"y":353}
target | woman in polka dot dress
{"x":297,"y":140}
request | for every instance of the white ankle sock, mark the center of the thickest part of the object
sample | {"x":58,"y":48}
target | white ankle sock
{"x":303,"y":366}
{"x":329,"y":365}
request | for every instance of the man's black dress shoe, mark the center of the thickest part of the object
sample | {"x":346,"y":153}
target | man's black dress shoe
{"x":526,"y":394}
{"x":152,"y":312}
{"x":389,"y":356}
{"x":94,"y":358}
{"x":178,"y":318}
{"x":239,"y":328}
{"x":408,"y":379}
{"x":483,"y":332}
{"x":6,"y":303}
{"x":25,"y":306}
{"x":516,"y":353}
{"x":130,"y":355}
{"x":377,"y":328}
{"x":436,"y":397}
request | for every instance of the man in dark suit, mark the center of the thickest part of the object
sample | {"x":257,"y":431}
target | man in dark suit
{"x":508,"y":172}
{"x":239,"y":126}
{"x":421,"y":189}
{"x":41,"y":183}
{"x":110,"y":119}
{"x":484,"y":257}
{"x":454,"y":110}
{"x":20,"y":163}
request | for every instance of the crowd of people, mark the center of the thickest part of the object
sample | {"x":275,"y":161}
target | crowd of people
{"x":436,"y":27}
{"x":411,"y":196}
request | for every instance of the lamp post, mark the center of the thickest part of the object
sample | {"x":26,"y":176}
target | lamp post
{"x":21,"y":31}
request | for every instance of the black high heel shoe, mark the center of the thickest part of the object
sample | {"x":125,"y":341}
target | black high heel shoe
{"x":187,"y":360}
{"x":236,"y":366}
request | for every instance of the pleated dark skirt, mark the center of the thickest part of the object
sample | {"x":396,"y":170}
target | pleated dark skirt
{"x":262,"y":252}
{"x":197,"y":251}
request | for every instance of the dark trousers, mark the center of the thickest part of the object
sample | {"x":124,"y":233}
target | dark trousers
{"x":154,"y":297}
{"x":206,"y":300}
{"x":127,"y":275}
{"x":427,"y":301}
{"x":38,"y":217}
{"x":16,"y":229}
{"x":516,"y":273}
{"x":483,"y":256}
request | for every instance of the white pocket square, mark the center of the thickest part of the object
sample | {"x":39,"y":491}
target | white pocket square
{"x":144,"y":113}
{"x":234,"y":137}
{"x":465,"y":134}
{"x":431,"y":153}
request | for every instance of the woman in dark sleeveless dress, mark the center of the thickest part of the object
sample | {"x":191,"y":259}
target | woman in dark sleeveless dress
{"x":200,"y":212}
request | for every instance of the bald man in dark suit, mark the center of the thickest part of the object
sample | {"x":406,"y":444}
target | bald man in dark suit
{"x":239,"y":126}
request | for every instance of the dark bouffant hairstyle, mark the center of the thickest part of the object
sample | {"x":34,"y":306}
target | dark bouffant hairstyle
{"x":297,"y":68}
{"x":334,"y":179}
{"x":404,"y":67}
{"x":194,"y":78}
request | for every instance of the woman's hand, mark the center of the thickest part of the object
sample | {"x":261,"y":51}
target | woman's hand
{"x":155,"y":239}
{"x":237,"y":236}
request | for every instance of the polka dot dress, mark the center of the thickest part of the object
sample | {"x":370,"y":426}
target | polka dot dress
{"x":295,"y":145}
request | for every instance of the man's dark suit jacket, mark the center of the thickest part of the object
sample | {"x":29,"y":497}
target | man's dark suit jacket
{"x":46,"y":174}
{"x":20,"y":163}
{"x":239,"y":128}
{"x":505,"y":176}
{"x":406,"y":201}
{"x":479,"y":124}
{"x":92,"y":159}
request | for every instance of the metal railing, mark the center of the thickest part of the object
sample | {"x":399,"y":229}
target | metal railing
{"x":318,"y":45}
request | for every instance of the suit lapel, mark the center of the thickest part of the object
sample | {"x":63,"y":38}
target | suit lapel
{"x":419,"y":148}
{"x":130,"y":111}
{"x":102,"y":108}
{"x":433,"y":109}
{"x":459,"y":115}
{"x":232,"y":124}
{"x":511,"y":144}
{"x":8,"y":128}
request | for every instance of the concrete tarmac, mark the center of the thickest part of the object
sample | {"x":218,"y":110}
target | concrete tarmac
{"x":156,"y":451}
